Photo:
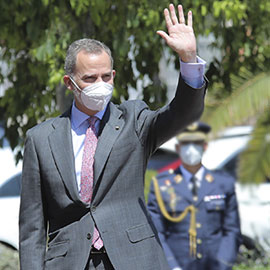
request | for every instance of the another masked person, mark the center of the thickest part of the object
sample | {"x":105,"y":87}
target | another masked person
{"x":195,"y":210}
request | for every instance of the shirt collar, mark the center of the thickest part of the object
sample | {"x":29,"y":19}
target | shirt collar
{"x":187,"y":175}
{"x":78,"y":117}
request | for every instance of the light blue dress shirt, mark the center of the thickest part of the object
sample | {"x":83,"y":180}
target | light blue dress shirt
{"x":187,"y":176}
{"x":79,"y":125}
{"x":193,"y":73}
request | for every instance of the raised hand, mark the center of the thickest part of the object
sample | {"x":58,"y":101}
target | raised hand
{"x":180,"y":35}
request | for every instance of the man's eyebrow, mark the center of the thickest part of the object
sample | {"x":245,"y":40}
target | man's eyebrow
{"x":95,"y":74}
{"x":89,"y":75}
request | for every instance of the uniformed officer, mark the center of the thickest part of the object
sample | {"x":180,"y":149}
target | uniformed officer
{"x":195,"y":210}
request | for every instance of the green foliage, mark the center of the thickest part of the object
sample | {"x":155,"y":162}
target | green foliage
{"x":148,"y":177}
{"x":252,"y":267}
{"x":254,"y":258}
{"x":254,"y":162}
{"x":34,"y":37}
{"x":242,"y":36}
{"x":9,"y":258}
{"x":250,"y":100}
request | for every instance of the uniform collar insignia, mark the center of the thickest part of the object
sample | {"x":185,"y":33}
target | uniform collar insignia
{"x":167,"y":182}
{"x":209,"y":177}
{"x":178,"y":178}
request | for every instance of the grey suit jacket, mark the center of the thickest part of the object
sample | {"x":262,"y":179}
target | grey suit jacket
{"x":56,"y":226}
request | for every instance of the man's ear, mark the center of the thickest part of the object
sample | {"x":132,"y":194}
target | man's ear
{"x":68,"y":82}
{"x":113,"y":73}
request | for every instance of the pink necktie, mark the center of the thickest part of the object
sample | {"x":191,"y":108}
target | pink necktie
{"x":87,"y":172}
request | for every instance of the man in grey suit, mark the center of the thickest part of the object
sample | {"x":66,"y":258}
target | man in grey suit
{"x":59,"y":229}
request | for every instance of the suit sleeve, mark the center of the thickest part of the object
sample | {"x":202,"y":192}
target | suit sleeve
{"x":231,"y":239}
{"x":160,"y":224}
{"x":156,"y":127}
{"x":32,"y":221}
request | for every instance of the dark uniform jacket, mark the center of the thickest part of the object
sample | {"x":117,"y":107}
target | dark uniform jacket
{"x":217,"y":221}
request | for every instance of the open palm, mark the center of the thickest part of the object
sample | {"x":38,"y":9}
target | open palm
{"x":180,"y":36}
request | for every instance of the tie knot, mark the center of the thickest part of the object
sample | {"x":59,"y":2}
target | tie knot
{"x":193,"y":179}
{"x":92,"y":120}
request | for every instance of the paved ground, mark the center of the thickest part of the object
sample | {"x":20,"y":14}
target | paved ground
{"x":9,"y":258}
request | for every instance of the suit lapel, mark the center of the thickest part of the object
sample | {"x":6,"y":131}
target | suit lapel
{"x":60,"y":141}
{"x":110,"y":128}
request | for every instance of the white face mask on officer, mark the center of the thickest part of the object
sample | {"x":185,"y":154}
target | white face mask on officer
{"x":191,"y":154}
{"x":94,"y":97}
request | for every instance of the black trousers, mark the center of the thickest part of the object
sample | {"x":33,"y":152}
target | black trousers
{"x":99,"y":260}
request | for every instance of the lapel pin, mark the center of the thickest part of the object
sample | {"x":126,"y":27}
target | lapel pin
{"x":209,"y":178}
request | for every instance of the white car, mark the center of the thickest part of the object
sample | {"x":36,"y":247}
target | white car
{"x":254,"y":200}
{"x":7,"y":159}
{"x":9,"y":195}
{"x":9,"y":211}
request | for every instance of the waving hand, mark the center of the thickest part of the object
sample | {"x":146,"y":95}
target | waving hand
{"x":180,"y":35}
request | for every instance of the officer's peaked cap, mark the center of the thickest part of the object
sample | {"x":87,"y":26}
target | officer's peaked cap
{"x":197,"y":131}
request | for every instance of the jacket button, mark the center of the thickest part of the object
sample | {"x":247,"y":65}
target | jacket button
{"x":199,"y":241}
{"x":93,"y":208}
{"x":89,"y":236}
{"x":198,"y":225}
{"x":199,"y":255}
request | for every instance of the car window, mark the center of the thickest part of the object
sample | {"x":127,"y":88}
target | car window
{"x":12,"y":187}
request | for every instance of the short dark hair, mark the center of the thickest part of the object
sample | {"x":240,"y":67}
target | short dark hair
{"x":91,"y":46}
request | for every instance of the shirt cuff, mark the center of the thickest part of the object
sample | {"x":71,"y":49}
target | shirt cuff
{"x":192,"y":73}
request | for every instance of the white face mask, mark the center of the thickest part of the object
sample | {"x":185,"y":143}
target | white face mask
{"x":96,"y":96}
{"x":191,"y":154}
